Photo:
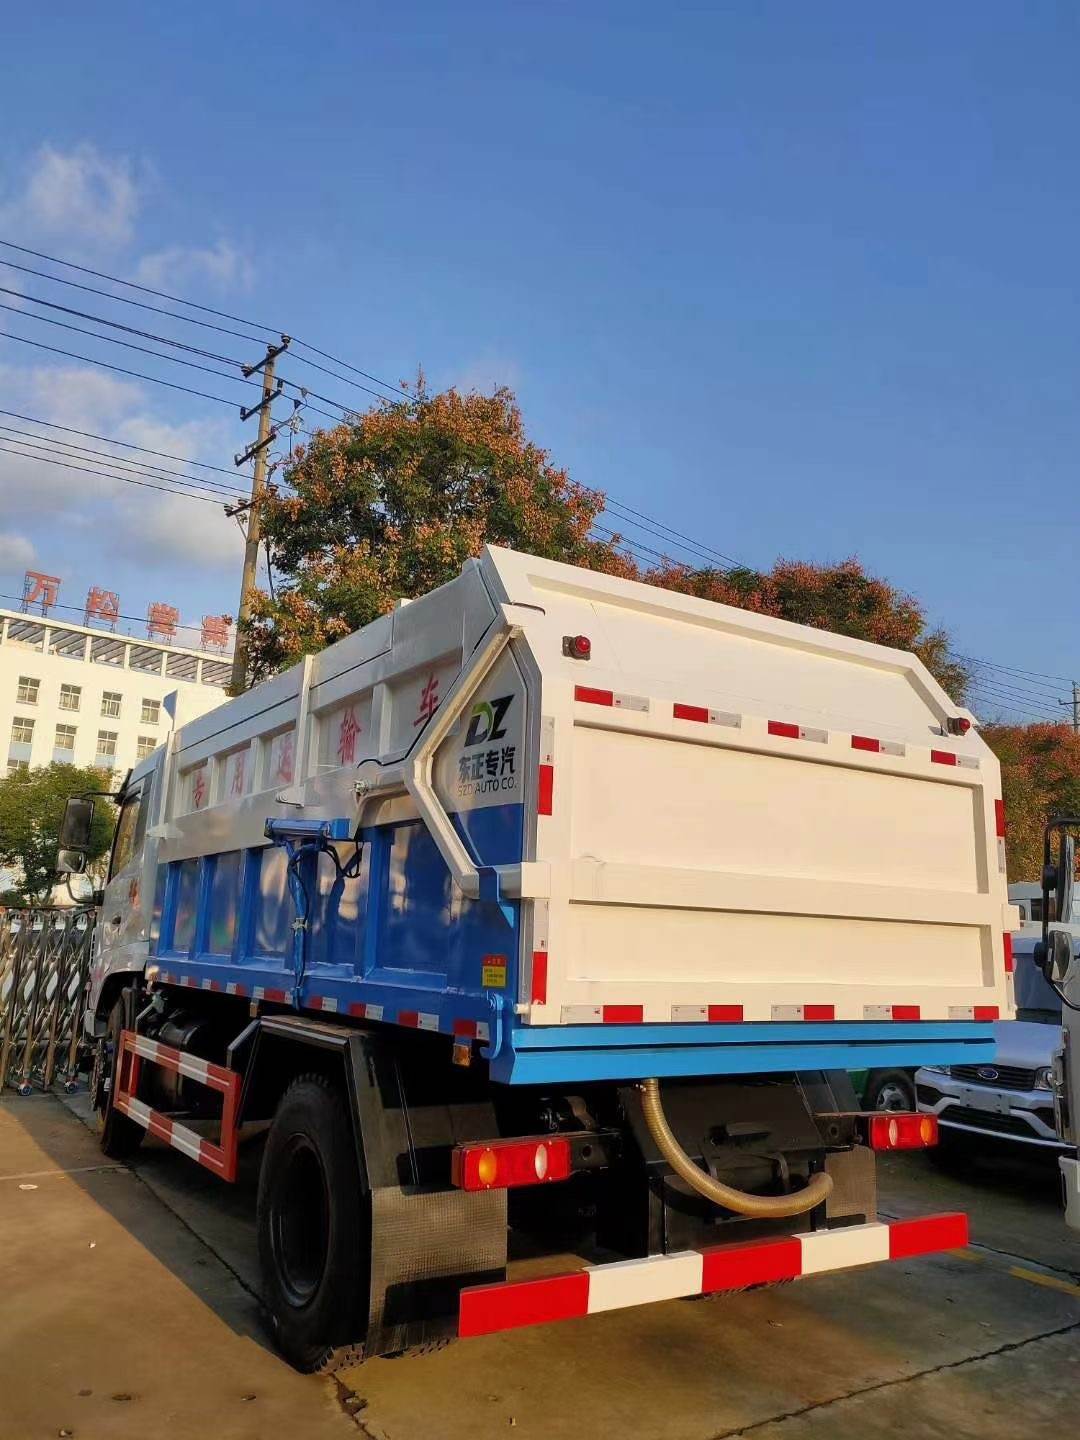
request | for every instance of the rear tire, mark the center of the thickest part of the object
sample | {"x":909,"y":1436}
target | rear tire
{"x":313,"y":1249}
{"x":118,"y":1136}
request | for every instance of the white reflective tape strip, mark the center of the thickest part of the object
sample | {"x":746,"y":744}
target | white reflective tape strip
{"x":970,"y":762}
{"x":427,"y":1022}
{"x":134,"y":1109}
{"x":257,"y":992}
{"x":961,"y":1012}
{"x":581,"y":1015}
{"x":787,"y":1012}
{"x":630,"y":702}
{"x":193,"y":1067}
{"x":689,"y":1012}
{"x":186,"y":1141}
{"x":837,"y":1249}
{"x":821,"y":736}
{"x":206,"y":984}
{"x":232,"y":988}
{"x":328,"y":1002}
{"x":373,"y":1012}
{"x":1001,"y":855}
{"x":482,"y":1030}
{"x":877,"y":1012}
{"x":638,"y":1282}
{"x":724,"y":717}
{"x":547,"y":740}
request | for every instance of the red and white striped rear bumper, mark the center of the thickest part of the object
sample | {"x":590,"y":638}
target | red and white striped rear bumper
{"x":485,"y":1309}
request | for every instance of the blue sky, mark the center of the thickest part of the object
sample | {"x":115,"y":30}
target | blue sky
{"x":797,"y":280}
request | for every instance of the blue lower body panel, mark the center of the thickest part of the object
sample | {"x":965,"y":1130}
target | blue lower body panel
{"x":567,"y":1054}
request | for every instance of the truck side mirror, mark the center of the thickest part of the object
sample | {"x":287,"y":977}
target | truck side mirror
{"x":75,"y":827}
{"x":70,"y":862}
{"x":1066,"y":870}
{"x":1055,"y":956}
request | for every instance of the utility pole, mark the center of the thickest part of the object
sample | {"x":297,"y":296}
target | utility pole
{"x":253,"y":533}
{"x":1076,"y":708}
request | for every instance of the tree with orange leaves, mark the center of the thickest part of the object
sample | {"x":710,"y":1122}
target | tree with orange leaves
{"x":395,"y":501}
{"x":1040,"y":777}
{"x":840,"y":597}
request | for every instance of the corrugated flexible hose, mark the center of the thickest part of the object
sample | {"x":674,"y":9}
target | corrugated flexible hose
{"x":773,"y":1207}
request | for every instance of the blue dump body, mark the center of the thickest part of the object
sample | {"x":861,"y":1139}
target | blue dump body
{"x":400,"y":944}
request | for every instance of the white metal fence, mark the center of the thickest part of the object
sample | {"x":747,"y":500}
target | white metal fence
{"x":44,"y":964}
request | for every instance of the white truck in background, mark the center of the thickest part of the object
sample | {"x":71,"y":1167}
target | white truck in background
{"x":550,"y":900}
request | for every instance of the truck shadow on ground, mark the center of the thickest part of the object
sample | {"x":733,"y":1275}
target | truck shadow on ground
{"x":201,"y":1229}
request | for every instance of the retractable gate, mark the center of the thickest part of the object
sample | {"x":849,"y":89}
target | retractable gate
{"x":44,"y":963}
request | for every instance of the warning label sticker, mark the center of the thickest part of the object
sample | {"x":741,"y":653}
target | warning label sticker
{"x":493,"y":972}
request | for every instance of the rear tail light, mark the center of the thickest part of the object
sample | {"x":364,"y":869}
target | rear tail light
{"x":577,"y":647}
{"x":505,"y":1164}
{"x":902,"y":1131}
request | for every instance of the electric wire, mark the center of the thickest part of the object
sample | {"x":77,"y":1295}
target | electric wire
{"x":109,"y":440}
{"x":137,"y":467}
{"x":128,"y":479}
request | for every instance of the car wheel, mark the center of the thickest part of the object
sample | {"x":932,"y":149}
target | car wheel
{"x":890,"y":1090}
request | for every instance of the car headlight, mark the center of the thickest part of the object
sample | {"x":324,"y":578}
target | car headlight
{"x":1043,"y":1078}
{"x":938,"y":1069}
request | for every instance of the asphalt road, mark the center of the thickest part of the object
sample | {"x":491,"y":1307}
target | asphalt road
{"x":129,"y":1309}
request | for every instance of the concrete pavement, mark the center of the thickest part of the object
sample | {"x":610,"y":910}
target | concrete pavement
{"x":163,"y":1309}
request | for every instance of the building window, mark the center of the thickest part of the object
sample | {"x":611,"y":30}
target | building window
{"x":28,"y":690}
{"x":151,"y":712}
{"x":18,"y":767}
{"x":22,"y":731}
{"x":70,"y":697}
{"x":110,"y":704}
{"x":65,"y":737}
{"x":147,"y":745}
{"x":106,"y":744}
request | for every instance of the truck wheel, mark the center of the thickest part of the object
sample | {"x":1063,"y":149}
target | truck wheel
{"x":310,"y":1226}
{"x":118,"y":1136}
{"x":890,"y":1090}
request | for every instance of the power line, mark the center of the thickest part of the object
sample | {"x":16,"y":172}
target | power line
{"x":396,"y":390}
{"x":120,"y":369}
{"x":128,"y":479}
{"x":137,"y":467}
{"x":127,"y":444}
{"x":1012,"y":670}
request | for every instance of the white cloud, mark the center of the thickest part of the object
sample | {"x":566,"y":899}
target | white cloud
{"x":16,"y":552}
{"x":78,"y":196}
{"x":485,"y":374}
{"x":180,"y":267}
{"x":48,"y":484}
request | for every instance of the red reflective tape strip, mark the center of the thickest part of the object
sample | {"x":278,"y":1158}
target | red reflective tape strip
{"x":1009,"y":962}
{"x":411,"y":1018}
{"x":278,"y":995}
{"x":943,"y":757}
{"x":315,"y":1002}
{"x":758,"y":1262}
{"x":161,"y":1126}
{"x":929,"y":1232}
{"x":219,"y":1075}
{"x":358,"y":1009}
{"x":906,"y":1012}
{"x":725,"y":1014}
{"x":590,"y":696}
{"x":538,"y":988}
{"x":467,"y":1028}
{"x":545,"y":790}
{"x":781,"y":727}
{"x":691,"y":712}
{"x":984,"y":1012}
{"x":819,"y":1012}
{"x":865,"y":742}
{"x":999,"y":818}
{"x":484,"y":1309}
{"x":622,"y":1014}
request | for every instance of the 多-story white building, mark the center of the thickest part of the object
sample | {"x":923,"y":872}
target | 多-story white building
{"x":91,"y":697}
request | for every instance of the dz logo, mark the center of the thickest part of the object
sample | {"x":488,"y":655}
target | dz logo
{"x":486,"y":722}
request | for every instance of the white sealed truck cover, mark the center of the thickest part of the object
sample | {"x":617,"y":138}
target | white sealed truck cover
{"x":716,"y":819}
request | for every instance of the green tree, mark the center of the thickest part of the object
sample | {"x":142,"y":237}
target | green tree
{"x":395,"y":502}
{"x":1040,"y":776}
{"x":31,"y":808}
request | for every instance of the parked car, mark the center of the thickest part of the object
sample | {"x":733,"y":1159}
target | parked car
{"x":1010,"y":1098}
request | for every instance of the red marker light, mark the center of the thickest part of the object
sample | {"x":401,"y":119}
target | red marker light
{"x":577,"y":647}
{"x":897,"y":1130}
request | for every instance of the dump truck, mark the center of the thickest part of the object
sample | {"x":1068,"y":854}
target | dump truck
{"x":531,"y":933}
